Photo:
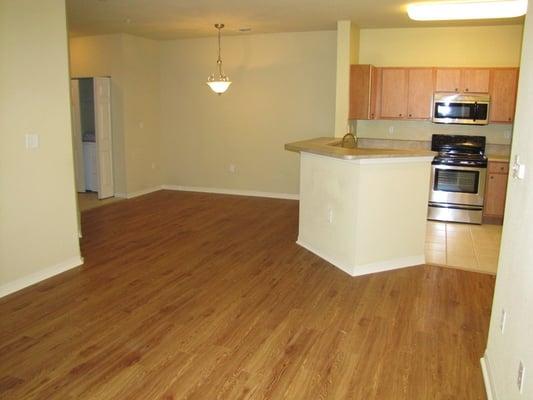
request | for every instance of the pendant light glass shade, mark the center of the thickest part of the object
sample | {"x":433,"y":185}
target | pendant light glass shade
{"x":218,"y":82}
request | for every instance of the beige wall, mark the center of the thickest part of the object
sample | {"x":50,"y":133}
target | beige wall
{"x":485,"y":46}
{"x":347,"y":53}
{"x":481,"y":46}
{"x":38,"y":228}
{"x":514,"y":284}
{"x":133,"y":64}
{"x":283,"y":90}
{"x":346,"y":212}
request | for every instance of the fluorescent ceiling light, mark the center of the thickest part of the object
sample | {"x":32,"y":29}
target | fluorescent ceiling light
{"x":467,"y":10}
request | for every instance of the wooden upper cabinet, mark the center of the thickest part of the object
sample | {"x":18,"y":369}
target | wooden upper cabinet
{"x":503,"y":85}
{"x":360,"y":91}
{"x":393,"y":102}
{"x":419,"y":93}
{"x":448,"y":80}
{"x":468,"y":80}
{"x":475,"y":80}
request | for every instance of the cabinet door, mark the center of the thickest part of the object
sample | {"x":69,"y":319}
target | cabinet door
{"x":420,"y":92}
{"x":448,"y":80}
{"x":503,"y":83}
{"x":360,"y":91}
{"x":476,"y":80}
{"x":393,"y":92}
{"x":495,"y":195}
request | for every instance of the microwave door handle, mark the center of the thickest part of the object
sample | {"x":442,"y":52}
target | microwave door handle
{"x":476,"y":108}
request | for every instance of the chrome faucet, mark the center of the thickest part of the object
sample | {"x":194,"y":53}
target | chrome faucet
{"x":352,"y":138}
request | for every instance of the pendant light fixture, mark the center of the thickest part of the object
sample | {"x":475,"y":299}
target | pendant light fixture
{"x":219,"y":83}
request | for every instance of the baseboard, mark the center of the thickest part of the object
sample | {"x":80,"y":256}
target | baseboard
{"x":487,"y":378}
{"x":39,"y":276}
{"x":388,"y":265}
{"x":138,"y":193}
{"x":365,"y":269}
{"x":252,"y":193}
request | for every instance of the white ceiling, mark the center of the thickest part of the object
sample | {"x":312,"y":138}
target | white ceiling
{"x":171,"y":19}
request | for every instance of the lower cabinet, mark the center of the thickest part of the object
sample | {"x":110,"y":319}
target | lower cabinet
{"x":495,"y":190}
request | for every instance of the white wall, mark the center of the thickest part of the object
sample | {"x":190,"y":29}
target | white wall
{"x":283,"y":90}
{"x":514,"y":284}
{"x":38,"y":228}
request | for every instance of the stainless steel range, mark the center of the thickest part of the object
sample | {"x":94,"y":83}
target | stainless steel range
{"x":458,"y":178}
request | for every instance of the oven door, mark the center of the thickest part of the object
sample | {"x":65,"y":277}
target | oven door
{"x":457,"y":185}
{"x":461,"y":112}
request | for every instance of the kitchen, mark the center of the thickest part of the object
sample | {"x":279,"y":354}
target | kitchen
{"x":397,"y":105}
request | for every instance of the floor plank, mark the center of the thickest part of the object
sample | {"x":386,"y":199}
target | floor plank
{"x":200,"y":296}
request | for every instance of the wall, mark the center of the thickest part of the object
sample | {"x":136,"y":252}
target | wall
{"x":133,"y":64}
{"x":38,"y":229}
{"x":346,"y":217}
{"x":283,"y":90}
{"x":497,"y":46}
{"x":347,"y":53}
{"x":514,"y":284}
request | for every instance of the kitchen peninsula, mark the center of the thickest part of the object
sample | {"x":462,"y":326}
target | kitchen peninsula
{"x":362,"y":209}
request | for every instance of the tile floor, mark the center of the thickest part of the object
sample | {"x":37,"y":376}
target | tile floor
{"x":90,"y":200}
{"x":464,"y":246}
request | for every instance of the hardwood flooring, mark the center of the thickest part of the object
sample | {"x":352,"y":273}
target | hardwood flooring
{"x":199,"y":296}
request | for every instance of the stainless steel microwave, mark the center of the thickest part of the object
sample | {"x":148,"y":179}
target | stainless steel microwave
{"x":456,"y":108}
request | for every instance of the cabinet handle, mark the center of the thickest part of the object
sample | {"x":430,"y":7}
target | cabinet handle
{"x":491,"y":177}
{"x":466,"y":90}
{"x":510,"y":119}
{"x":410,"y":115}
{"x":456,"y":89}
{"x":399,"y":115}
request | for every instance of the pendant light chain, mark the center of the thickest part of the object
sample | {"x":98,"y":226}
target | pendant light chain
{"x":219,"y":61}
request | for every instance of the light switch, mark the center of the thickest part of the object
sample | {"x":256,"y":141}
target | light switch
{"x":32,"y":141}
{"x":519,"y":169}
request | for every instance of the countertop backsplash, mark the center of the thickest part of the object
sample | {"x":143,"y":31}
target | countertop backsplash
{"x":499,"y":134}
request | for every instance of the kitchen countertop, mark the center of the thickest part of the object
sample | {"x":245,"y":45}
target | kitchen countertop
{"x":326,"y":146}
{"x":498,"y":158}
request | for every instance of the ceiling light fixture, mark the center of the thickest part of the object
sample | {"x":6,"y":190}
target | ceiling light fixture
{"x":219,"y":83}
{"x":451,"y":10}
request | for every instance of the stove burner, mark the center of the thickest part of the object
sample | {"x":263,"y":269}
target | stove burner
{"x":459,"y":150}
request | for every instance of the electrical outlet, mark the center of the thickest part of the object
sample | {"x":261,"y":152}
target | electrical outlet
{"x":232,"y":168}
{"x":153,"y":165}
{"x":31,"y":141}
{"x":503,"y":319}
{"x":330,"y":215}
{"x":391,"y":130}
{"x":520,"y":379}
{"x":507,"y":134}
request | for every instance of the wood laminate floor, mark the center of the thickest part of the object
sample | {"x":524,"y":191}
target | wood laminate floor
{"x":198,"y":296}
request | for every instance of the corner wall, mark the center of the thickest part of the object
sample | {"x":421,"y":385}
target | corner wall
{"x":283,"y":90}
{"x":514,"y":283}
{"x":38,"y":228}
{"x":133,"y":65}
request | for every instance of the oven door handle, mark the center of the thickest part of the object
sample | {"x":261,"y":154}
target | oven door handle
{"x":479,"y":169}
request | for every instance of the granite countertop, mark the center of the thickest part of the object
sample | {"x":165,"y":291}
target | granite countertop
{"x":329,"y":146}
{"x":498,"y":157}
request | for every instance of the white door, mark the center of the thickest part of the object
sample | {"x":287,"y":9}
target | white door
{"x":104,"y":143}
{"x":79,"y":167}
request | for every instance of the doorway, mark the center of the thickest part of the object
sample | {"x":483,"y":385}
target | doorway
{"x":92,"y":136}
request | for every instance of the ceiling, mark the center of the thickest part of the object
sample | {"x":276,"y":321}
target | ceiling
{"x":172,"y":19}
